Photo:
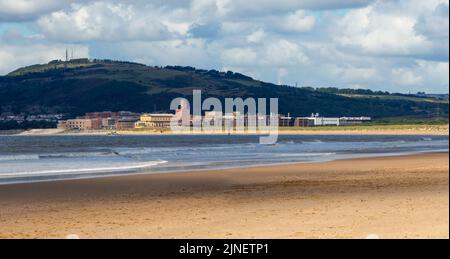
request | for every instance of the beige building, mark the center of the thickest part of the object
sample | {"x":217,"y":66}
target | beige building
{"x":83,"y":124}
{"x":154,"y":121}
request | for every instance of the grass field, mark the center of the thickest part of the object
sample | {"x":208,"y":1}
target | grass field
{"x":369,"y":127}
{"x":396,"y":97}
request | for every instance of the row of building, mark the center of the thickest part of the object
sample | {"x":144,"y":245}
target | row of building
{"x":102,"y":120}
{"x":128,"y":120}
{"x":38,"y":117}
{"x":317,"y":120}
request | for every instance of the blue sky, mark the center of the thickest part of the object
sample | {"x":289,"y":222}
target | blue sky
{"x":394,"y":45}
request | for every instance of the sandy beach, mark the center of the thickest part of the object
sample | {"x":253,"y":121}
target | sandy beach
{"x":342,"y":130}
{"x":391,"y":197}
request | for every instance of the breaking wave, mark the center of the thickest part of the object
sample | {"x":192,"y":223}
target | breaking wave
{"x":86,"y":170}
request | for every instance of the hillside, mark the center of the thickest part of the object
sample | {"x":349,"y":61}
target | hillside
{"x":80,"y":86}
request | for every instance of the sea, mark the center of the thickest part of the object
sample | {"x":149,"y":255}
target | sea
{"x":26,"y":159}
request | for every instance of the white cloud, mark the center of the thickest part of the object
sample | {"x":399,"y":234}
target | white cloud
{"x":354,"y":74}
{"x":240,"y":57}
{"x":296,"y":22}
{"x":416,"y":29}
{"x":238,"y":27}
{"x":397,"y":45}
{"x":274,"y":53}
{"x":404,"y":76}
{"x":19,"y":10}
{"x":423,"y":75}
{"x":13,"y":56}
{"x":282,"y":72}
{"x":191,"y":52}
{"x":103,"y":21}
{"x":435,"y":24}
{"x":256,"y":36}
{"x":284,"y":53}
{"x":377,"y":33}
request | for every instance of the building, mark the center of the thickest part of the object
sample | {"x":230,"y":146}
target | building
{"x":45,"y":117}
{"x":128,"y":115}
{"x":304,"y":122}
{"x":20,"y":118}
{"x":324,"y":121}
{"x":111,"y":115}
{"x":252,"y":120}
{"x":83,"y":124}
{"x":286,"y":121}
{"x":101,"y":115}
{"x":317,"y":120}
{"x":109,"y":123}
{"x":183,"y":115}
{"x":126,"y":123}
{"x":214,"y":119}
{"x":266,"y":120}
{"x":237,"y":120}
{"x":354,"y":120}
{"x":154,"y":120}
{"x":127,"y":120}
{"x":196,"y":120}
{"x":101,"y":120}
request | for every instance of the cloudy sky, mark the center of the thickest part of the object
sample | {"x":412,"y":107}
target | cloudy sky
{"x":395,"y":45}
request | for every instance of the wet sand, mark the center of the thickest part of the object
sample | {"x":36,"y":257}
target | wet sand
{"x":392,"y":197}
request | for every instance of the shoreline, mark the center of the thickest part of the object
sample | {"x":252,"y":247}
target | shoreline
{"x":258,"y":166}
{"x":393,"y":197}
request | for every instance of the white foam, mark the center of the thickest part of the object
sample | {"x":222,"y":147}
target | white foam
{"x":18,"y":157}
{"x":316,"y":141}
{"x":77,"y":155}
{"x":54,"y":155}
{"x":86,"y":170}
{"x":303,"y":154}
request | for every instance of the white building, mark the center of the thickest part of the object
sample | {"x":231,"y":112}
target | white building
{"x":317,"y":120}
{"x":354,"y":120}
{"x":324,"y":121}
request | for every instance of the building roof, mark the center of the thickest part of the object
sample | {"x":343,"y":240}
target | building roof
{"x":158,"y":114}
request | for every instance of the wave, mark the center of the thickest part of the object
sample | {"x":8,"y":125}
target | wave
{"x":289,"y":142}
{"x":86,"y":170}
{"x":78,"y":155}
{"x":146,"y":151}
{"x":18,"y":157}
{"x":316,"y":141}
{"x":55,"y":155}
{"x":304,"y":154}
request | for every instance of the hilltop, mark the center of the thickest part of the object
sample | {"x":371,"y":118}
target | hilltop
{"x":83,"y":85}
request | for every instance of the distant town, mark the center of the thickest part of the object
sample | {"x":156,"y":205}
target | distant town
{"x":125,"y":120}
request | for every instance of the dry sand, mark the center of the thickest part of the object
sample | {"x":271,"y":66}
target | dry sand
{"x":342,"y":130}
{"x":393,"y":197}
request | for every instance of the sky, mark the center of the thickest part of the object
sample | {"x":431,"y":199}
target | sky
{"x":389,"y":45}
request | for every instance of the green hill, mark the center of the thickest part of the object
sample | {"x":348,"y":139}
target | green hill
{"x":82,"y":85}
